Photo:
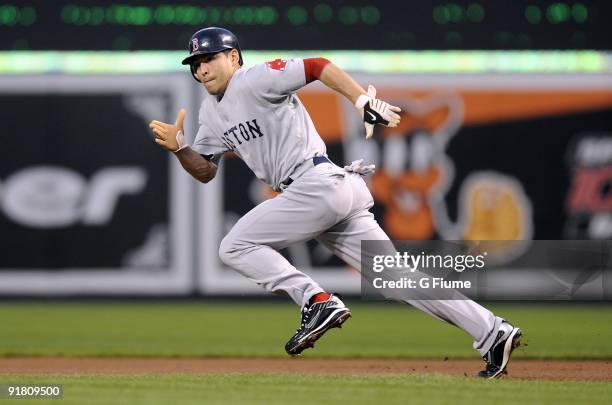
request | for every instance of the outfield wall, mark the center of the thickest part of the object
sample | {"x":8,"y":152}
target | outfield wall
{"x":91,"y":206}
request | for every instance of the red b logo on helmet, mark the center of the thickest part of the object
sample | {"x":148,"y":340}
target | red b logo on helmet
{"x":194,"y":45}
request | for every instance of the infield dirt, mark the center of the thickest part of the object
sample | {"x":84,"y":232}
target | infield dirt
{"x":576,"y":370}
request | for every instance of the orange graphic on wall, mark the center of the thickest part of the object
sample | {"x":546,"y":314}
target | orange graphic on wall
{"x":414,"y":172}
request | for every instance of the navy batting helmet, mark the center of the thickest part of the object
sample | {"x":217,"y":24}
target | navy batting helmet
{"x":211,"y":40}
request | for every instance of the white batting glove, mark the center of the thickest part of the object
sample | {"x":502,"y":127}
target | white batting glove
{"x":376,"y":112}
{"x":170,"y":136}
{"x":358,"y":167}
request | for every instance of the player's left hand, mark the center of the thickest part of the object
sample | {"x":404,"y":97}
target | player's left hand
{"x":376,"y":112}
{"x":358,"y":167}
{"x":170,"y":136}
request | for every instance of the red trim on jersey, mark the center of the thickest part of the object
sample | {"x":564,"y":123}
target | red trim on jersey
{"x":313,"y":68}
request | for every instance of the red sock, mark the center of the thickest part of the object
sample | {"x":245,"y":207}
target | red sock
{"x":320,"y":297}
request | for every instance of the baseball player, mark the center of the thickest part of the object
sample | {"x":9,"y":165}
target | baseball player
{"x":255,"y":113}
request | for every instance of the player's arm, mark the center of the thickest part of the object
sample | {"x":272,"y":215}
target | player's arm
{"x":373,"y":110}
{"x":334,"y":78}
{"x":196,"y":165}
{"x":171,"y":138}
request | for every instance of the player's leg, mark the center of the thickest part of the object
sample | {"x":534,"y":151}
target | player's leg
{"x":251,"y":248}
{"x":300,"y":213}
{"x":344,"y":240}
{"x":308,"y":207}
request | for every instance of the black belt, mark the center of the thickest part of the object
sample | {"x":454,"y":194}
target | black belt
{"x":317,"y":160}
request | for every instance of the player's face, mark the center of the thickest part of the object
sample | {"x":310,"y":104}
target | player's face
{"x":214,"y":71}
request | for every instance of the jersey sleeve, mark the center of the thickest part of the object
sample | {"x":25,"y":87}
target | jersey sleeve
{"x":207,"y":144}
{"x":277,"y":78}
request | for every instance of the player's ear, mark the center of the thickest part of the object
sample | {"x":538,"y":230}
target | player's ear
{"x":235,"y":57}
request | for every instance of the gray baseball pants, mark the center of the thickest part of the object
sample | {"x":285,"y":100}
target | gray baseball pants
{"x":330,"y":205}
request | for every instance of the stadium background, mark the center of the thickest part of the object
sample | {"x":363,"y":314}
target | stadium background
{"x":506,"y":134}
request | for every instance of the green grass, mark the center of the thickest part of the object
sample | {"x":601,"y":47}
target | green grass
{"x":312,"y":389}
{"x":188,"y":329}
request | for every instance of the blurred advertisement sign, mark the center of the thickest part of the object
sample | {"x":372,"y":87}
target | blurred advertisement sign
{"x":483,"y":164}
{"x":88,"y":203}
{"x":589,"y":197}
{"x":57,"y":197}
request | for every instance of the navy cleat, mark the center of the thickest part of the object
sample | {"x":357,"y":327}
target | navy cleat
{"x":508,"y":339}
{"x":317,"y":319}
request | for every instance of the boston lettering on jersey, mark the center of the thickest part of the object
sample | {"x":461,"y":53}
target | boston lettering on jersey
{"x":243,"y":132}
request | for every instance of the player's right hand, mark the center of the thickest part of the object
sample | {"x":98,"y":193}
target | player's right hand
{"x":376,"y":112}
{"x":170,"y":136}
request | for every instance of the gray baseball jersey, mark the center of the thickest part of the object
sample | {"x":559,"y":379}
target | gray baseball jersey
{"x":261,"y":119}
